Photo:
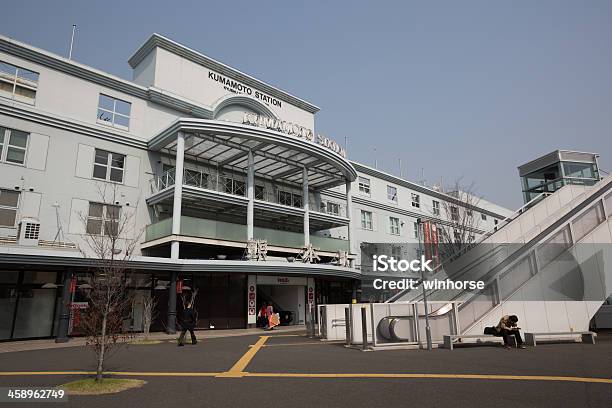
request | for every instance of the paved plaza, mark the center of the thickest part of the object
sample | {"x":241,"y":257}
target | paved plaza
{"x":290,"y":370}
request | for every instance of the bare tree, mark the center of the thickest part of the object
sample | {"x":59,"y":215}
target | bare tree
{"x":459,"y":229}
{"x":149,"y":313}
{"x":111,"y":239}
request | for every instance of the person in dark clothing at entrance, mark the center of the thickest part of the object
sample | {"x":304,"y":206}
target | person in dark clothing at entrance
{"x":507,"y":327}
{"x":188,"y":323}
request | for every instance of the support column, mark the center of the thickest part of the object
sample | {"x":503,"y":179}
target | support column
{"x":178,"y":193}
{"x":306,"y":204}
{"x":250,"y":195}
{"x":64,"y":317}
{"x":349,"y":214}
{"x":171,"y":327}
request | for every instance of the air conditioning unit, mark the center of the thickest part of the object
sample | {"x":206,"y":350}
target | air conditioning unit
{"x":29,"y":231}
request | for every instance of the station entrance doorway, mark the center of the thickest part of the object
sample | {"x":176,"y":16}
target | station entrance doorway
{"x":287,"y":295}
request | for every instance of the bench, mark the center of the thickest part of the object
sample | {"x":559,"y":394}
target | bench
{"x":588,"y":337}
{"x":448,"y":338}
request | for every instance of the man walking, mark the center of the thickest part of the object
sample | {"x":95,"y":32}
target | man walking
{"x":188,"y":323}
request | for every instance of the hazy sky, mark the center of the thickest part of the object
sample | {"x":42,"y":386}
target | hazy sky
{"x":456,"y":88}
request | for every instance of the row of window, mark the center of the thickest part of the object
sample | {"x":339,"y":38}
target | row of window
{"x":415,"y":200}
{"x":102,"y":219}
{"x":395,"y":227}
{"x":13,"y":146}
{"x":394,"y":224}
{"x":21,"y":84}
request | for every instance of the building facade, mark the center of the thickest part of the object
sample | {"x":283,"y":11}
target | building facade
{"x":213,"y":179}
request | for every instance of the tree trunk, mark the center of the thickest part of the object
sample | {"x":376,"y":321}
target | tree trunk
{"x":100,"y":368}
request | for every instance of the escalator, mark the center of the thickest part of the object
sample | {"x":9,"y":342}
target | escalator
{"x":550,"y":264}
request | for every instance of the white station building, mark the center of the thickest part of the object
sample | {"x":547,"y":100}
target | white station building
{"x":221,"y":179}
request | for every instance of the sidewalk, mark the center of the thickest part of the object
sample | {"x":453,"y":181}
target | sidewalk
{"x":26,"y":345}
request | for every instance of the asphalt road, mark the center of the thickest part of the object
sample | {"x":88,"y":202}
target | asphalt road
{"x":284,"y":355}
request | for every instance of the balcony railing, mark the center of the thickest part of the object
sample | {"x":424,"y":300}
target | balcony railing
{"x":237,"y":186}
{"x":205,"y":228}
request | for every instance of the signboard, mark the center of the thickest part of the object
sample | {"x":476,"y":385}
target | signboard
{"x":310,"y":293}
{"x":237,"y":87}
{"x":430,"y":241}
{"x":281,"y":280}
{"x":251,"y":299}
{"x":292,"y":129}
{"x":75,"y":315}
{"x":73,"y":284}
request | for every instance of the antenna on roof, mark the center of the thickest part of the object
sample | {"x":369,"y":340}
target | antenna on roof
{"x":375,"y":159}
{"x":71,"y":41}
{"x":400,"y":167}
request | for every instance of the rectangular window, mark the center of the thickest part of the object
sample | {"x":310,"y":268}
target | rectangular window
{"x":333,"y":208}
{"x":435,"y":207}
{"x":483,"y":216}
{"x":195,"y":178}
{"x":108,"y":166}
{"x":587,"y":222}
{"x":394,"y":226}
{"x":114,"y":112}
{"x":13,"y":145}
{"x":290,"y":199}
{"x":580,"y":170}
{"x":457,"y":236}
{"x":284,"y":198}
{"x":366,"y":220}
{"x":9,"y":203}
{"x":553,"y":247}
{"x":364,"y":185}
{"x":103,"y":219}
{"x":260,"y":192}
{"x":415,"y":229}
{"x":454,"y":213}
{"x":297,"y":200}
{"x":416,"y":200}
{"x":236,"y":187}
{"x":392,"y":193}
{"x":18,"y":83}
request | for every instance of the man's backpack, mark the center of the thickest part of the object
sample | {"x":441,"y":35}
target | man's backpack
{"x":490,"y":330}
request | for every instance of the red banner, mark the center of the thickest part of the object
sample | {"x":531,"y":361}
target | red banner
{"x":73,"y":284}
{"x":430,"y":242}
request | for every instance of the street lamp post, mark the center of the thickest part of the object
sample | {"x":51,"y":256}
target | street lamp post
{"x":427,"y":327}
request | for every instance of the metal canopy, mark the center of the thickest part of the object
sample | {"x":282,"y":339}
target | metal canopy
{"x":277,"y":156}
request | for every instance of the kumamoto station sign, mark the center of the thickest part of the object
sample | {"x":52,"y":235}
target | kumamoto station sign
{"x":288,"y":128}
{"x":292,"y":129}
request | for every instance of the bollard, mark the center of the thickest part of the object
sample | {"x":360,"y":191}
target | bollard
{"x":347,"y":319}
{"x":364,"y":330}
{"x":311,"y":321}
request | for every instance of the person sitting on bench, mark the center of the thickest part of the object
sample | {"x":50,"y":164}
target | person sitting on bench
{"x":507,"y":327}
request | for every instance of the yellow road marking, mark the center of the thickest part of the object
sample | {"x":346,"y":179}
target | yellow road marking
{"x":237,"y":369}
{"x":437,"y":376}
{"x":304,"y":344}
{"x":322,"y":375}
